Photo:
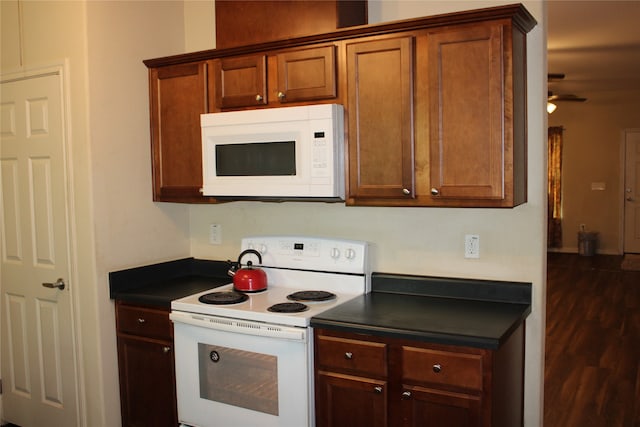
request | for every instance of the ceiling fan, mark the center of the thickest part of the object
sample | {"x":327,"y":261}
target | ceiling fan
{"x":552,"y":98}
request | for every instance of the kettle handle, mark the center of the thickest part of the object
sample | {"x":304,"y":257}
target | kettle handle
{"x":250,"y":251}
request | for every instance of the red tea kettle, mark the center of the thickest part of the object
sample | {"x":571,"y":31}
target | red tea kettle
{"x":248,"y":279}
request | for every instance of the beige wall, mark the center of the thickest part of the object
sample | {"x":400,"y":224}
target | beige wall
{"x":592,"y":153}
{"x":119,"y":226}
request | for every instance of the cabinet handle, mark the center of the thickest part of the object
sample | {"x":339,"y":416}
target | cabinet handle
{"x":259,"y":98}
{"x":406,"y":395}
{"x":141,"y":320}
{"x":348,"y":355}
{"x":437,"y":368}
{"x":377,"y":389}
{"x":281,"y":96}
{"x":406,"y":191}
{"x":434,"y":191}
{"x":166,"y":349}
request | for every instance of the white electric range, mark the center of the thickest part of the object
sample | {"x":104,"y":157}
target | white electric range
{"x":243,"y":364}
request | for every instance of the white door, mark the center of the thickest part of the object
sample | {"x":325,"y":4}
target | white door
{"x":38,"y":358}
{"x":632,"y":192}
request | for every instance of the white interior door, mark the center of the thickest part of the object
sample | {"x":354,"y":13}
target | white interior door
{"x":38,"y":358}
{"x":632,"y":192}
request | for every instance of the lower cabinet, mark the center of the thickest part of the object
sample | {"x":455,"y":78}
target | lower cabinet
{"x":364,"y":380}
{"x":146,"y":366}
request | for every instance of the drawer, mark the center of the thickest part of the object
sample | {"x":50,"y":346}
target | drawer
{"x":421,"y":365}
{"x":351,"y":356}
{"x":144,"y":321}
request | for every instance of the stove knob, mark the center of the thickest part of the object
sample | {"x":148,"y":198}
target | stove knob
{"x":335,"y":253}
{"x":350,"y":254}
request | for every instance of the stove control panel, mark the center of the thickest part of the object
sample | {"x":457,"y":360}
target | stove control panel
{"x":310,"y":253}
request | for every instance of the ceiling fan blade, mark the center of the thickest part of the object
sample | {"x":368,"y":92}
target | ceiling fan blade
{"x":555,"y":76}
{"x":566,"y":97}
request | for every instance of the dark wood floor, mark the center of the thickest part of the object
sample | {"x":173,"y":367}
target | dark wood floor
{"x":592,"y":374}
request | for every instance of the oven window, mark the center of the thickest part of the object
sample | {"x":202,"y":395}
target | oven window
{"x":239,"y":378}
{"x":256,"y":159}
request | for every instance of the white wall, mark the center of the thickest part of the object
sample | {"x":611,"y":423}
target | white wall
{"x":427,"y":241}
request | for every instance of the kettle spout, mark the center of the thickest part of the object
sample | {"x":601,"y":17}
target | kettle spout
{"x":233,"y":267}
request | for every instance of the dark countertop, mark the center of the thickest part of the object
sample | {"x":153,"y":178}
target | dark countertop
{"x":159,"y":284}
{"x":474,"y":313}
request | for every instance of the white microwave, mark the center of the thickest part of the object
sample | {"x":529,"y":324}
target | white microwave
{"x":275,"y":153}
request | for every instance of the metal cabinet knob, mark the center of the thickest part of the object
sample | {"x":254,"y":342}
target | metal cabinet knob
{"x":166,"y":349}
{"x":348,"y":355}
{"x":141,"y":320}
{"x":406,"y":395}
{"x":406,"y":191}
{"x":437,"y":368}
{"x":59,"y":284}
{"x":281,"y":96}
{"x":377,"y":389}
{"x":259,"y":98}
{"x":434,"y":191}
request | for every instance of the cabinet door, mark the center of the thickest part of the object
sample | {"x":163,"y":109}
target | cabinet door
{"x":307,"y":74}
{"x":241,"y":81}
{"x":147,"y":382}
{"x":436,"y":408}
{"x":343,"y":400}
{"x":178,"y":95}
{"x":466,"y":83}
{"x":380,"y":104}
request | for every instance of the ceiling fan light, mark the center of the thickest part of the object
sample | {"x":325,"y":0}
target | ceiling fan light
{"x":551,"y":107}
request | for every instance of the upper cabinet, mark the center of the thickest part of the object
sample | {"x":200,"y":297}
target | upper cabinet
{"x":380,"y":126}
{"x":435,"y":107}
{"x":250,"y":22}
{"x":477,"y":115}
{"x":178,"y":95}
{"x":295,"y":75}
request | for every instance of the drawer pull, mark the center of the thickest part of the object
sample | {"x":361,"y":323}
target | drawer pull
{"x":377,"y":389}
{"x":166,"y":349}
{"x":141,"y":320}
{"x":437,"y":368}
{"x":406,"y":395}
{"x":348,"y":355}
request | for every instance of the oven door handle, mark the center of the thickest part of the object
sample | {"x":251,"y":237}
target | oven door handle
{"x":246,"y":327}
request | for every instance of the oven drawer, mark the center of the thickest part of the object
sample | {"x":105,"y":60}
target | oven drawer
{"x":427,"y":366}
{"x":144,"y":321}
{"x":351,"y":356}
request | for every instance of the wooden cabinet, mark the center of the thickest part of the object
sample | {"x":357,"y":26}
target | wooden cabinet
{"x":178,"y":95}
{"x":476,"y":110}
{"x":380,"y":119}
{"x":146,"y":366}
{"x":435,"y":107}
{"x":399,"y":382}
{"x":459,"y":139}
{"x":296,"y":75}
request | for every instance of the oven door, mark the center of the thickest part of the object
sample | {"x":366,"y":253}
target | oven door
{"x":241,"y":373}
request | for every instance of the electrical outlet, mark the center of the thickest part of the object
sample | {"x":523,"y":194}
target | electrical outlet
{"x":215,"y":234}
{"x":471,"y":246}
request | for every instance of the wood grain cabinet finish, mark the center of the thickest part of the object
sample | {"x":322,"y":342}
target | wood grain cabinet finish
{"x":146,"y":366}
{"x":274,"y":79}
{"x":178,"y":95}
{"x":399,"y":382}
{"x":435,"y":107}
{"x":477,"y":112}
{"x":380,"y":119}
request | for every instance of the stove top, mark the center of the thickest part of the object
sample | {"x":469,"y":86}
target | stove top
{"x":327,"y":267}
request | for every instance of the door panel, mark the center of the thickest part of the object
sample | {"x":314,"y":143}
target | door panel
{"x":632,"y":193}
{"x":38,"y":348}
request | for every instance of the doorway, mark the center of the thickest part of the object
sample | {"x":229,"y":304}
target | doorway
{"x":631,"y":235}
{"x":37,"y":338}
